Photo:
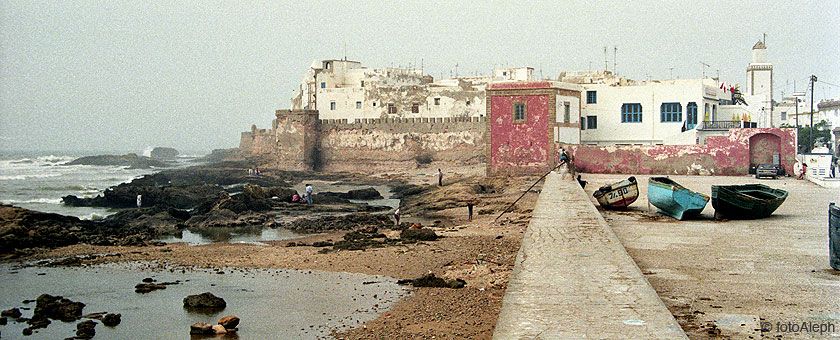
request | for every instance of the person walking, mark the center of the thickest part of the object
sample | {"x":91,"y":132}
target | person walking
{"x":139,"y":201}
{"x":440,"y":178}
{"x":470,"y":204}
{"x":308,"y":194}
{"x":833,"y":167}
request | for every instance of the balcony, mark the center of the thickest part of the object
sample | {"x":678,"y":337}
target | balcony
{"x":724,"y":125}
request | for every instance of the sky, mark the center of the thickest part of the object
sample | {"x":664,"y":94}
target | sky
{"x":125,"y":76}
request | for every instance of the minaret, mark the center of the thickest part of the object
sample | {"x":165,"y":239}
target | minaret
{"x":759,"y":91}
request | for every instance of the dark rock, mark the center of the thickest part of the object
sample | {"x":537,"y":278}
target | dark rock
{"x":204,"y":300}
{"x":422,"y":234}
{"x":148,"y":287}
{"x":131,"y":160}
{"x":12,"y":313}
{"x":3,"y":321}
{"x":430,"y":280}
{"x":86,"y":329}
{"x":322,"y":244}
{"x":229,"y":322}
{"x":27,"y":331}
{"x":356,"y":194}
{"x":57,"y":308}
{"x":201,"y":328}
{"x":36,"y":323}
{"x":163,"y":153}
{"x":111,"y":319}
{"x":148,"y":280}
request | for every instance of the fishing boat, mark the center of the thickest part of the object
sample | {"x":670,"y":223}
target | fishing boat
{"x":619,"y":194}
{"x":748,"y":201}
{"x":673,"y":199}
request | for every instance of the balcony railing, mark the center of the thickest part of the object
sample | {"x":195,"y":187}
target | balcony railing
{"x":724,"y":125}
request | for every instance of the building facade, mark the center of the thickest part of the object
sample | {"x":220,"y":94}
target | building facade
{"x":525,"y":122}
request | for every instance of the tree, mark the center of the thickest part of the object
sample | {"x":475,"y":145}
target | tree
{"x":822,"y":136}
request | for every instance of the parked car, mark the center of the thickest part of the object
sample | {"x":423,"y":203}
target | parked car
{"x":767,"y":170}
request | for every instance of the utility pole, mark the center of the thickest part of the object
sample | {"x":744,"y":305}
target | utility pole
{"x":615,"y":54}
{"x":811,"y":139}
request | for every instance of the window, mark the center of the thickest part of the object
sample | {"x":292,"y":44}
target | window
{"x":468,"y":103}
{"x":583,"y":125}
{"x":437,"y":101}
{"x":323,"y":85}
{"x":518,"y":112}
{"x":415,"y":108}
{"x":392,"y":109}
{"x":784,"y":115}
{"x":504,"y":73}
{"x":714,"y":112}
{"x":566,"y":114}
{"x":592,"y":122}
{"x":332,"y":105}
{"x":691,"y":115}
{"x":374,"y":104}
{"x":363,"y":83}
{"x":591,"y":97}
{"x":706,"y":112}
{"x":670,"y":112}
{"x":631,"y":113}
{"x":358,"y":105}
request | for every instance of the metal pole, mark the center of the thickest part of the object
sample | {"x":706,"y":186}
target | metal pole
{"x":796,"y":99}
{"x":811,"y":138}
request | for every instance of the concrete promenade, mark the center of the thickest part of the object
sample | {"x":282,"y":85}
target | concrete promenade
{"x":573,"y":278}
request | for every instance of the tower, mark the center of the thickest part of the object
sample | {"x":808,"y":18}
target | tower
{"x":759,"y":91}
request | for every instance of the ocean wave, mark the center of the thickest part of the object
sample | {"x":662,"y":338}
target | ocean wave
{"x":36,"y":200}
{"x":23,"y":177}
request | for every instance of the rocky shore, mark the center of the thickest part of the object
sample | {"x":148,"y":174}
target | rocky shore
{"x":476,"y":255}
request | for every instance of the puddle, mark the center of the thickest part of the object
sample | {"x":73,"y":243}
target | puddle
{"x":272,"y":304}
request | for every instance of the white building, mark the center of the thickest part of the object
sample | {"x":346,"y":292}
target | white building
{"x":655,"y":112}
{"x":343,"y":89}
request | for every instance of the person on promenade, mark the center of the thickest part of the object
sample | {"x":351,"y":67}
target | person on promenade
{"x":308,"y":194}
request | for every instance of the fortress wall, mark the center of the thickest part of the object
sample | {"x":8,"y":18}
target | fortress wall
{"x":400,"y":142}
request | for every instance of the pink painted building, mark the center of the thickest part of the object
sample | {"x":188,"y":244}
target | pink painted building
{"x":525,"y":120}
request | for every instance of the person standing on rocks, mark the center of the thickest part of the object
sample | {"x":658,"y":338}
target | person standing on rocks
{"x":470,"y":204}
{"x":139,"y":201}
{"x":397,"y":215}
{"x":440,"y":178}
{"x":308,"y":194}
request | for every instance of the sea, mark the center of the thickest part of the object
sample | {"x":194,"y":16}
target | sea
{"x":38,"y":180}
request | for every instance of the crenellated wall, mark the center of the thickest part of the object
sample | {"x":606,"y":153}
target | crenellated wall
{"x":298,"y":140}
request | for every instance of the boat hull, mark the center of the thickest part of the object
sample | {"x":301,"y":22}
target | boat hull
{"x":618,"y":195}
{"x":749,"y":201}
{"x":674,"y":200}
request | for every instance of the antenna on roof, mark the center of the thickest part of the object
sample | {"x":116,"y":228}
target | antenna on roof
{"x":345,"y":51}
{"x":606,"y":62}
{"x":615,"y":52}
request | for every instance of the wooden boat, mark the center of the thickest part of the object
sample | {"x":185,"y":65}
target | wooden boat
{"x":619,"y":194}
{"x":746,"y":201}
{"x":675,"y":200}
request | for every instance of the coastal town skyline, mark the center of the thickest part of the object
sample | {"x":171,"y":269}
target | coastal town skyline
{"x":129,"y":76}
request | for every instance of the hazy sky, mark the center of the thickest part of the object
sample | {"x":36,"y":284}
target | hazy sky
{"x":128,"y":75}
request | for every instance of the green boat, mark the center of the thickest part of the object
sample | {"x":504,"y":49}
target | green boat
{"x":748,"y":201}
{"x":675,"y":200}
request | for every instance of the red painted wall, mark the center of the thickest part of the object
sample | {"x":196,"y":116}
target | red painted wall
{"x":721,"y":155}
{"x":520,"y":147}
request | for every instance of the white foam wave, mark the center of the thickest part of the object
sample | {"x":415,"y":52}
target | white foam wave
{"x":91,"y":216}
{"x":36,"y":200}
{"x":23,"y":177}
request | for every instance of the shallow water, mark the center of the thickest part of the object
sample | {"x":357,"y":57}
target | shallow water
{"x":267,"y":234}
{"x":272,"y":304}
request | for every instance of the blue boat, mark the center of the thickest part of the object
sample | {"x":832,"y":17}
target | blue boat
{"x":675,"y":200}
